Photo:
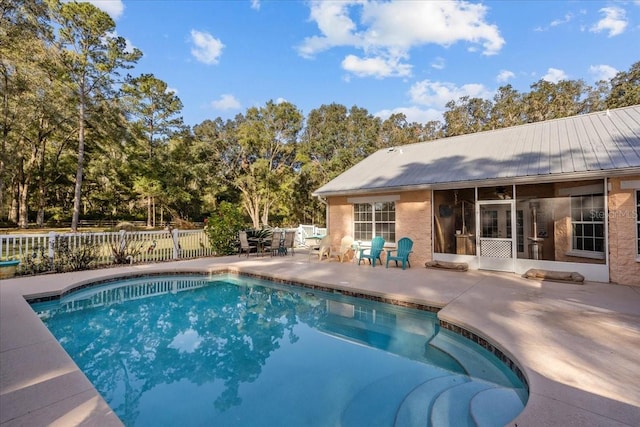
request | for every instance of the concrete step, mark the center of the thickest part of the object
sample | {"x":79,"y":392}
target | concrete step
{"x":377,"y":403}
{"x":452,"y":406}
{"x":497,"y":406}
{"x":472,"y":358}
{"x":416,"y":407}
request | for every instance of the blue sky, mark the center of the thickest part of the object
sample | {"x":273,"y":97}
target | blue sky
{"x":409,"y":56}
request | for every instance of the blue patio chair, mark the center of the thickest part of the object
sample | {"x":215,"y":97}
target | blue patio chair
{"x":373,"y":253}
{"x":403,"y":249}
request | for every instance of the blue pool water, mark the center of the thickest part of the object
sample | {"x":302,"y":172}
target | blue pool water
{"x":230,"y":350}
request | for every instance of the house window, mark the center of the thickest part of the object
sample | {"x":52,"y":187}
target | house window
{"x":587,"y":223}
{"x":374,"y":219}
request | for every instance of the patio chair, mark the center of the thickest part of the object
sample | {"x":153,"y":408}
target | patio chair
{"x":289,"y":242}
{"x":322,"y":249}
{"x":273,"y":245}
{"x":245,"y":246}
{"x":346,"y":246}
{"x":403,"y":250}
{"x":373,"y":253}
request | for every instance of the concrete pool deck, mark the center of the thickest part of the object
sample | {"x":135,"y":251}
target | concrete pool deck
{"x":578,"y":345}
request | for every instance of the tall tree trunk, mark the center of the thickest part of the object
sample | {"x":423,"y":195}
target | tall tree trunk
{"x":5,"y":137}
{"x":23,"y":216}
{"x":149,"y":212}
{"x":42,"y":189}
{"x":79,"y":170}
{"x":13,"y":210}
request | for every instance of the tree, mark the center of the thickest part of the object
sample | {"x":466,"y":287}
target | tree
{"x":92,"y":57}
{"x":625,"y":88}
{"x":255,"y":154}
{"x":507,"y":109}
{"x":548,"y":100}
{"x":467,"y":115}
{"x":25,"y":78}
{"x":396,"y":130}
{"x":154,"y":113}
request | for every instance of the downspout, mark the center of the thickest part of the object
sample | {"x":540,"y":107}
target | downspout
{"x":323,"y":200}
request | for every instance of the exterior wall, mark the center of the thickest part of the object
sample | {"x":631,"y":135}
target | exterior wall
{"x":624,"y":266}
{"x":413,"y":220}
{"x":340,"y":219}
{"x":414,"y":212}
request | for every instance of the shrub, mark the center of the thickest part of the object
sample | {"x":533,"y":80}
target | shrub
{"x":222,"y":228}
{"x":125,"y":251}
{"x":68,"y":257}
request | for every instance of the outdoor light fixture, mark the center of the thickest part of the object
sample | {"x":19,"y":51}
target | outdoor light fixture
{"x":502,"y":194}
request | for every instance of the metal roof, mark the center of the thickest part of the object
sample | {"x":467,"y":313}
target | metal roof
{"x":599,"y":144}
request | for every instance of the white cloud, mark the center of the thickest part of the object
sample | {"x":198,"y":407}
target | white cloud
{"x":255,"y":4}
{"x":226,"y":102}
{"x":114,"y":8}
{"x":438,"y":63}
{"x":413,"y":114}
{"x":614,"y":21}
{"x":387,"y":31}
{"x":378,"y":67}
{"x":437,"y":94}
{"x":554,"y":75}
{"x":504,"y":75}
{"x":207,"y":49}
{"x":602,"y":72}
{"x":170,"y":90}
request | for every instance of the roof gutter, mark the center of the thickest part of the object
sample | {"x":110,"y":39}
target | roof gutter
{"x":533,"y":179}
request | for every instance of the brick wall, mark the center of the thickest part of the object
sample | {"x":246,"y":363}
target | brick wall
{"x":413,"y":220}
{"x":624,"y":268}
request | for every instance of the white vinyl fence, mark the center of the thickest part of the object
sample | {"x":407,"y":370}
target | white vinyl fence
{"x":309,"y":230}
{"x":38,"y":252}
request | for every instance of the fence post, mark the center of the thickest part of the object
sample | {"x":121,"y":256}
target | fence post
{"x":51,"y":244}
{"x":176,"y":243}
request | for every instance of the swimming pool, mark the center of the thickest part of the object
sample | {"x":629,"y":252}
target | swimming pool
{"x":233,"y":350}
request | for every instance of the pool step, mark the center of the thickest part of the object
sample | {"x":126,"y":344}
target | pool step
{"x":459,"y":348}
{"x":452,"y":406}
{"x":377,"y":403}
{"x":497,"y":406}
{"x":416,"y":407}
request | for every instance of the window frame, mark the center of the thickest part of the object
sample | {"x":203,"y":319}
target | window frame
{"x":378,"y":218}
{"x":589,"y":190}
{"x":597,"y":220}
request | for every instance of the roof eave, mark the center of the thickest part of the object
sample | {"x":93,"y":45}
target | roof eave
{"x":570,"y":176}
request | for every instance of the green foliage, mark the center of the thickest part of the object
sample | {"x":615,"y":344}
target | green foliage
{"x":125,"y":251}
{"x":74,"y":254}
{"x":37,"y":262}
{"x":222,"y":228}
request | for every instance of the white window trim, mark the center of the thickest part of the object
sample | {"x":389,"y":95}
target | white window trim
{"x":586,"y":254}
{"x":374,"y":199}
{"x":587,"y":190}
{"x":630,"y":185}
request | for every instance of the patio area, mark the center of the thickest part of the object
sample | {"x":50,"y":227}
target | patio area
{"x":578,"y":345}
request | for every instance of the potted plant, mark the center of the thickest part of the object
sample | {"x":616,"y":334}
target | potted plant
{"x":8,"y":268}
